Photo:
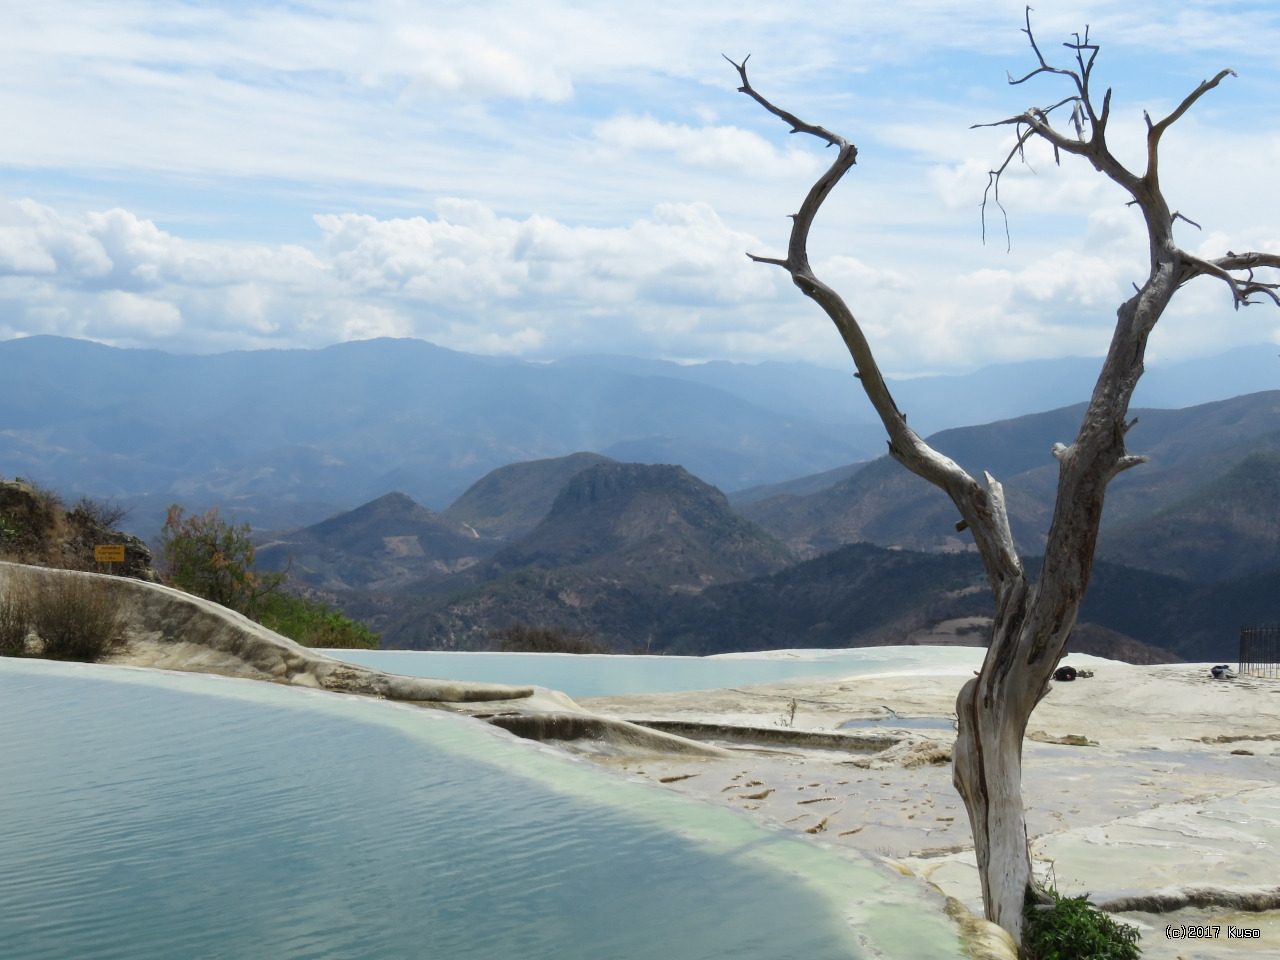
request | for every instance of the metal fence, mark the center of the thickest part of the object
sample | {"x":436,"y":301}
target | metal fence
{"x":1260,"y":650}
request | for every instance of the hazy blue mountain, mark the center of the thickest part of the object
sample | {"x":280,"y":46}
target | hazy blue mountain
{"x":276,"y":436}
{"x":994,"y":392}
{"x":885,"y":504}
{"x":348,"y":423}
{"x":798,"y":487}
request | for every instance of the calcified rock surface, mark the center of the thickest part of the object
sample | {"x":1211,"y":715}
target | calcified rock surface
{"x":171,"y":630}
{"x":1151,"y":788}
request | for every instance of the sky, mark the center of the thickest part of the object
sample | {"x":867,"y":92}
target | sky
{"x":565,"y":178}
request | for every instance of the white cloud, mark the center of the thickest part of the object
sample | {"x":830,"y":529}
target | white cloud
{"x":611,"y":178}
{"x":131,"y":315}
{"x":729,"y":149}
{"x":683,"y":253}
{"x":468,"y":278}
{"x":34,"y":239}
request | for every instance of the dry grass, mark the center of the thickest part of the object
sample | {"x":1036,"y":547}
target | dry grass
{"x":15,"y":622}
{"x":76,"y":618}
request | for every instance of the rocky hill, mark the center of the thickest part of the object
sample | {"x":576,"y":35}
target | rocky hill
{"x":37,"y":528}
{"x":653,"y":521}
{"x":381,"y":545}
{"x":619,"y":541}
{"x":510,"y":501}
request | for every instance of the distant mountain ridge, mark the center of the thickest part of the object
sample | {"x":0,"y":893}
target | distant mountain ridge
{"x":281,"y":437}
{"x":1190,"y":450}
{"x":339,"y":426}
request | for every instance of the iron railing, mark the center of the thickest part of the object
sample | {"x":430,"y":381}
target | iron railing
{"x":1260,"y":650}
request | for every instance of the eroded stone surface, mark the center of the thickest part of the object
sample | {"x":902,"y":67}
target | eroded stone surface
{"x":1131,"y":784}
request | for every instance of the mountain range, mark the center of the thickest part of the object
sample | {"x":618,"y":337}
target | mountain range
{"x":288,"y":437}
{"x":648,"y":556}
{"x":1214,"y":462}
{"x":587,"y":493}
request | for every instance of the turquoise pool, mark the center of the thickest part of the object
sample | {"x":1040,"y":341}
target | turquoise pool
{"x":151,"y":815}
{"x":586,"y":675}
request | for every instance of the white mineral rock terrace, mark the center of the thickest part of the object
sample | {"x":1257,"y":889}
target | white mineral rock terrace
{"x":1176,"y":793}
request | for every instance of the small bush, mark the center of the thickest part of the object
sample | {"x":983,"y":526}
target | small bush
{"x":313,"y":624}
{"x":523,"y":638}
{"x":15,"y":622}
{"x":76,"y":618}
{"x":1074,"y":929}
{"x":205,"y":555}
{"x":105,"y":513}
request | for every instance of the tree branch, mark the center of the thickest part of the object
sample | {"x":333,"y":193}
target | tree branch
{"x":1241,"y":288}
{"x":1156,"y":131}
{"x":982,"y":509}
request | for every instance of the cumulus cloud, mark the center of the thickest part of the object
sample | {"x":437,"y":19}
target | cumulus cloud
{"x":467,"y":278}
{"x":682,"y":254}
{"x":34,"y":239}
{"x":673,"y":283}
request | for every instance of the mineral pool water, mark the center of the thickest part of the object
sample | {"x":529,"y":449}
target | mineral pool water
{"x":149,"y":815}
{"x":606,"y":675}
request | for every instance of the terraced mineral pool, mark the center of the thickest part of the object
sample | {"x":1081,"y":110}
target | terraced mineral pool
{"x":588,"y":675}
{"x":158,"y":815}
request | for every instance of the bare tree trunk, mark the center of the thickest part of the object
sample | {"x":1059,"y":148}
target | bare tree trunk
{"x":988,"y":776}
{"x":1032,"y":622}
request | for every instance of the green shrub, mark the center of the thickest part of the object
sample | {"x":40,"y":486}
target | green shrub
{"x":205,"y":555}
{"x":313,"y":623}
{"x":1073,"y":929}
{"x":76,"y":618}
{"x":523,"y":638}
{"x":15,"y":622}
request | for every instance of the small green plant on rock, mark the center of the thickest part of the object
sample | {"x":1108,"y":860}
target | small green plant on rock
{"x":1071,"y":928}
{"x":313,"y":623}
{"x":76,"y":618}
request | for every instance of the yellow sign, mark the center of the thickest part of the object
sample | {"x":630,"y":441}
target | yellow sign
{"x":109,"y":553}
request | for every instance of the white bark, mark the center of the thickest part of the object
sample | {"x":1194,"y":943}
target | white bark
{"x":1032,"y":621}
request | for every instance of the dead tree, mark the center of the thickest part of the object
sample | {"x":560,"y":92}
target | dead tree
{"x":1032,"y":620}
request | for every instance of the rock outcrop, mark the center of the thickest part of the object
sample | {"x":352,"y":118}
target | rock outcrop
{"x":36,"y":528}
